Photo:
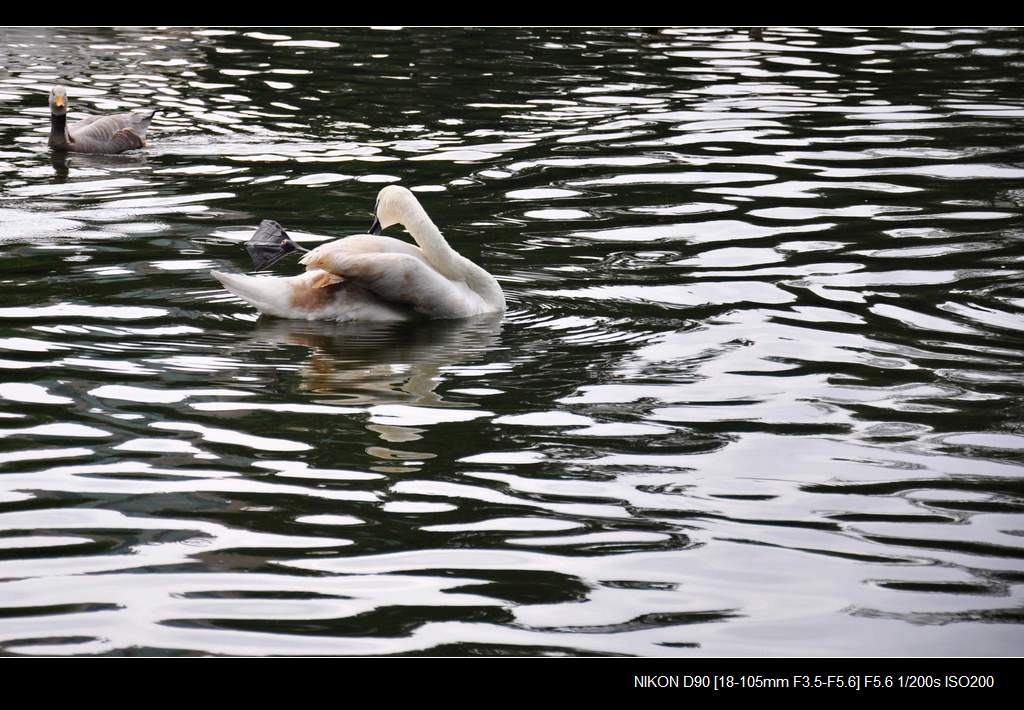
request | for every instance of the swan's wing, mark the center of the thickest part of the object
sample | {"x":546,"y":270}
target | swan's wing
{"x":399,"y":278}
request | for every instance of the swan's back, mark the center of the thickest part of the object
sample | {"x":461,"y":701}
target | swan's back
{"x":370,"y":244}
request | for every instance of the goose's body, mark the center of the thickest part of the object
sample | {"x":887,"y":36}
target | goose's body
{"x":96,"y":134}
{"x":369,"y":277}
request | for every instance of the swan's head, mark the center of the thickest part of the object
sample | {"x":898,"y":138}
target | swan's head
{"x":394,"y":204}
{"x":58,"y":100}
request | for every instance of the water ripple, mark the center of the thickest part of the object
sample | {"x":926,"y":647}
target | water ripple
{"x":757,"y":392}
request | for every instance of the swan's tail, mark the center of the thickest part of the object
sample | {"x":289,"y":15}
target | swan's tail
{"x":312,"y":295}
{"x":268,"y":294}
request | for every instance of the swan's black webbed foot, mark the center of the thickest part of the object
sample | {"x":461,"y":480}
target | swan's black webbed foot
{"x":268,"y":244}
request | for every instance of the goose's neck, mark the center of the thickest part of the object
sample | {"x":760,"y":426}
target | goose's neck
{"x":59,"y":130}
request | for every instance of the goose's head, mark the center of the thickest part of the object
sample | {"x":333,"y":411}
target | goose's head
{"x":394,"y":205}
{"x":58,"y":100}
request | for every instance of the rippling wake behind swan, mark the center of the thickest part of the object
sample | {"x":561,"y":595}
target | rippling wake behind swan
{"x":370,"y":277}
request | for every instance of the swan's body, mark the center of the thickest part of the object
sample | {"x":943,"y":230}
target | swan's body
{"x":370,"y":277}
{"x":96,"y":134}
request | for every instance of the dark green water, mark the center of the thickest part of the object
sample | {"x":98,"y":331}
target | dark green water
{"x":759,"y":390}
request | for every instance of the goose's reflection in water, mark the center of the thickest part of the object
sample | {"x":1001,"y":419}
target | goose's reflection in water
{"x":64,"y":164}
{"x":389,"y":369}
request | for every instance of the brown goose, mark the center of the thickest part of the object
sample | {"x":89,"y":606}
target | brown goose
{"x":96,"y":134}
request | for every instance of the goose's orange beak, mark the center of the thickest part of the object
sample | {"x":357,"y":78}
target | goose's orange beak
{"x":58,"y":101}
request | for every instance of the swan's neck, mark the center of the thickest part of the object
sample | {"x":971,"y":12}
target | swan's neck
{"x":435,"y":248}
{"x":449,"y":262}
{"x":485,"y":285}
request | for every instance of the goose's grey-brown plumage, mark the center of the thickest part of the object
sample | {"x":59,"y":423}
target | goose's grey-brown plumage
{"x":96,"y":134}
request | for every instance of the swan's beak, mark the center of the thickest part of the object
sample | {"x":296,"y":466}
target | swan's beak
{"x":268,"y":244}
{"x":375,"y":228}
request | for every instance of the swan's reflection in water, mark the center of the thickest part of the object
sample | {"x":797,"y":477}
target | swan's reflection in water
{"x":393,"y":369}
{"x":383,"y":363}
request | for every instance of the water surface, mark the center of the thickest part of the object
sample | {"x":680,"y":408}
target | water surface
{"x":759,"y":390}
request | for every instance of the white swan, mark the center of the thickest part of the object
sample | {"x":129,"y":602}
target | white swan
{"x":369,"y":277}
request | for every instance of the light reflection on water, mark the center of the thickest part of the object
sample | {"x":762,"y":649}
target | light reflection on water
{"x":758,"y":391}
